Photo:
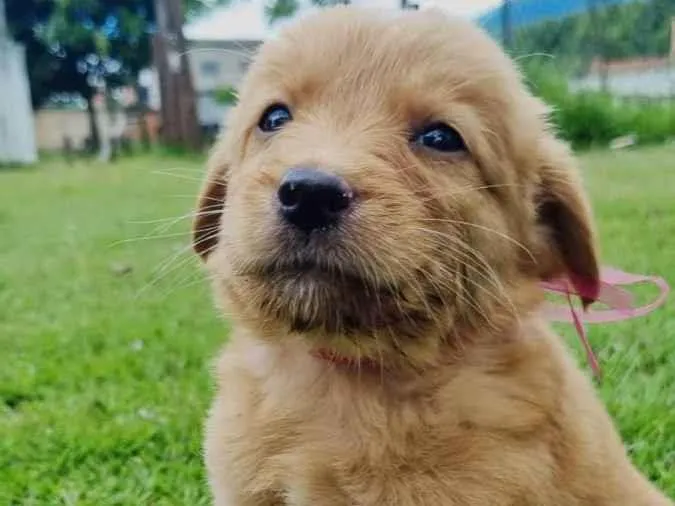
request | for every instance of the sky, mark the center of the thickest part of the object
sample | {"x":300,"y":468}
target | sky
{"x":458,"y":7}
{"x":463,"y":7}
{"x":245,"y":20}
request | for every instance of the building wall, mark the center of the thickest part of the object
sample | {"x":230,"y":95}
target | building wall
{"x":657,"y":82}
{"x":17,"y":134}
{"x":220,"y":63}
{"x":53,"y":126}
{"x":214,"y":65}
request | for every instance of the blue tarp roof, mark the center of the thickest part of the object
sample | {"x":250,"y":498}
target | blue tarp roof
{"x":526,"y":12}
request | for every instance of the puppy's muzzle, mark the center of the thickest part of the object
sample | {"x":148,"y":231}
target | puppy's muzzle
{"x":310,"y":199}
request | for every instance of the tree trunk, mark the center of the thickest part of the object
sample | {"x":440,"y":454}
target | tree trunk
{"x":94,"y":135}
{"x":105,"y":151}
{"x":178,"y":102}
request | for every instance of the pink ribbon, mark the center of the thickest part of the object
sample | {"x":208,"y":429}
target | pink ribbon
{"x":618,"y":300}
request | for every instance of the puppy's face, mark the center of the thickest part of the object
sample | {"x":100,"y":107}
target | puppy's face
{"x":386,"y":185}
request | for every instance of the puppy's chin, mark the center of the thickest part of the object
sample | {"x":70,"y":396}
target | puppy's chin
{"x":335,"y":302}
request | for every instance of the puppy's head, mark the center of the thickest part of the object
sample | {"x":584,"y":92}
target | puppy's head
{"x":386,"y":185}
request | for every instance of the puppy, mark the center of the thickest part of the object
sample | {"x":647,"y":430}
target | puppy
{"x":377,"y":221}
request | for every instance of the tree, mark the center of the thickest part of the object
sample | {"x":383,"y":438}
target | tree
{"x":281,"y":9}
{"x":179,"y":115}
{"x":618,"y":31}
{"x":73,"y":46}
{"x":22,"y":18}
{"x":76,"y":46}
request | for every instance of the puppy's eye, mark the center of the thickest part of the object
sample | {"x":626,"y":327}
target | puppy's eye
{"x":274,"y":117}
{"x":441,"y":137}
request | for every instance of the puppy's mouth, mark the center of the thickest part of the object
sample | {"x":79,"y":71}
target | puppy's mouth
{"x":309,"y":295}
{"x":311,"y":271}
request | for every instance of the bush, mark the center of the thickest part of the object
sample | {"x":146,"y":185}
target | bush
{"x":654,"y":123}
{"x":588,"y":119}
{"x":227,"y":95}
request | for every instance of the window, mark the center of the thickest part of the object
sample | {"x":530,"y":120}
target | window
{"x":210,"y":68}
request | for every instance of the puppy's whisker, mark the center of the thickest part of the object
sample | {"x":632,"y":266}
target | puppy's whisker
{"x":373,"y":273}
{"x":439,"y":194}
{"x":183,"y":280}
{"x":185,"y":233}
{"x":533,"y":55}
{"x":246,"y":53}
{"x":167,"y":270}
{"x":467,"y":255}
{"x":161,"y":228}
{"x":174,"y":219}
{"x":162,"y":221}
{"x":440,"y":283}
{"x":185,"y":168}
{"x":484,"y":313}
{"x":361,"y":253}
{"x":189,"y":178}
{"x":158,"y":232}
{"x":452,"y":244}
{"x":484,"y":228}
{"x":457,"y":246}
{"x":459,"y":294}
{"x":192,"y":197}
{"x":172,"y":264}
{"x":492,"y":276}
{"x":191,"y":279}
{"x":199,"y":171}
{"x":440,"y":280}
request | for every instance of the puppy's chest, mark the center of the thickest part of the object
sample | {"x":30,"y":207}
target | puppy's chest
{"x":363,"y":451}
{"x":352,"y":455}
{"x":311,"y":445}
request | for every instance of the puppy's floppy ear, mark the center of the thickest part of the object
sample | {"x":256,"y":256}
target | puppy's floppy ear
{"x":206,"y":223}
{"x":564,"y":213}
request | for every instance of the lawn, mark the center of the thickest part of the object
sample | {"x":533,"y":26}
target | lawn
{"x":107,"y":329}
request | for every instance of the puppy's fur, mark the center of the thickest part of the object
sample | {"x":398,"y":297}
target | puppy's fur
{"x":456,"y":393}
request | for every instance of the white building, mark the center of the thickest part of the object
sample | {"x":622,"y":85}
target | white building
{"x":17,"y":130}
{"x":648,"y":78}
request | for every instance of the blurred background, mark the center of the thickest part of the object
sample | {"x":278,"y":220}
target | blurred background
{"x":108,"y":77}
{"x":107,"y":108}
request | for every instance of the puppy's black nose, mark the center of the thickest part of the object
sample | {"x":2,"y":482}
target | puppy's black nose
{"x":311,"y":199}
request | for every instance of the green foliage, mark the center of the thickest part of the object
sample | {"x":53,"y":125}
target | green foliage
{"x":72,"y":44}
{"x":653,"y":122}
{"x":227,"y":95}
{"x":280,"y":9}
{"x":640,"y":28}
{"x":636,"y":29}
{"x":589,"y":119}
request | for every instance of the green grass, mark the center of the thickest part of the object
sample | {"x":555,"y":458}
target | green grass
{"x":104,"y":379}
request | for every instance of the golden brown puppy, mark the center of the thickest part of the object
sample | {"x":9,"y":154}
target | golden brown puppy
{"x":377,"y":221}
